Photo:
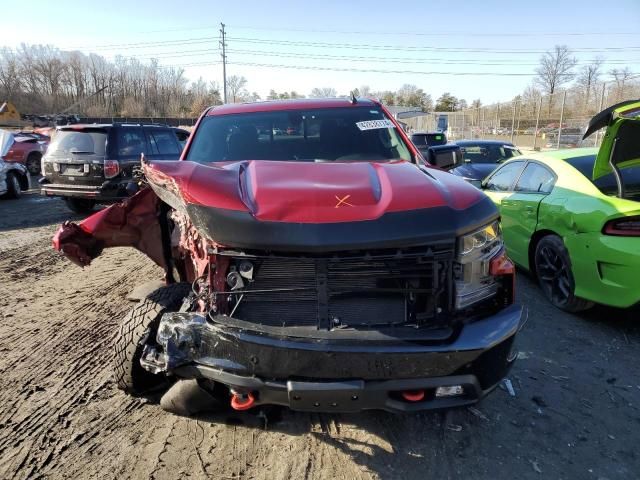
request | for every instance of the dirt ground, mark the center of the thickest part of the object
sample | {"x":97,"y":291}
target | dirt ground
{"x":575,"y":413}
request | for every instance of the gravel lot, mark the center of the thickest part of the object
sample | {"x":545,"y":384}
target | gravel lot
{"x":575,"y":413}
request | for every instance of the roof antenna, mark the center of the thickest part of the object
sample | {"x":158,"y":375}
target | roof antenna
{"x":353,"y":99}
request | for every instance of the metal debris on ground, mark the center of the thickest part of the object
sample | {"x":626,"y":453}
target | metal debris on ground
{"x":509,"y":386}
{"x":478,"y":413}
{"x":535,"y":466}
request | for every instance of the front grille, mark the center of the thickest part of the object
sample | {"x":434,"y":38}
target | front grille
{"x":364,"y":291}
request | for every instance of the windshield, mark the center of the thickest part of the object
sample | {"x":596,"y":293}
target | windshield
{"x":429,"y":139}
{"x":331,"y":134}
{"x":488,"y":153}
{"x":88,"y":142}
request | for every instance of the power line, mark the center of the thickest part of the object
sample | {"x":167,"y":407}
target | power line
{"x":437,"y":34}
{"x":187,"y":41}
{"x":367,"y":46}
{"x":368,"y":70}
{"x":360,"y":58}
{"x":314,"y":44}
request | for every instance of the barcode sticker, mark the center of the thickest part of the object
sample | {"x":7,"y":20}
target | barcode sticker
{"x":374,"y":124}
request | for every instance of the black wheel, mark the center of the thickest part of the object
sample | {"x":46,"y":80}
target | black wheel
{"x":139,"y":328}
{"x":80,"y":205}
{"x":33,"y":163}
{"x":13,"y":186}
{"x":553,"y":269}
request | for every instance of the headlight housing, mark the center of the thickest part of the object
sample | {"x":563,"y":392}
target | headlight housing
{"x":473,"y":278}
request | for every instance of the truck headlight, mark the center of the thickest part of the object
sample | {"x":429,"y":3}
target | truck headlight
{"x":473,"y":278}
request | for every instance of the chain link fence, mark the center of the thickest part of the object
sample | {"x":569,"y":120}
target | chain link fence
{"x":531,"y":121}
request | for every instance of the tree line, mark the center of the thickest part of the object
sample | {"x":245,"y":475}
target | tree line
{"x":44,"y":79}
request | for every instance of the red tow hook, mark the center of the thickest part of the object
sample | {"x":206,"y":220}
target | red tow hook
{"x":242,"y":401}
{"x":413,"y":395}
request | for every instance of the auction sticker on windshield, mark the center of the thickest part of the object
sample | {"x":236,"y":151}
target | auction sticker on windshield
{"x":373,"y":124}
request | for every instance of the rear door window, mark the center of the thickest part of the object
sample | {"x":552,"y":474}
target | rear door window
{"x":163,"y":143}
{"x":535,"y":179}
{"x":503,"y":178}
{"x":131,"y":142}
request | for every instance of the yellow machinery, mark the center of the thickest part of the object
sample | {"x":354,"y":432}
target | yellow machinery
{"x":9,"y":116}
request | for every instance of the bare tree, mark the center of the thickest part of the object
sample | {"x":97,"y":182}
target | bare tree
{"x":555,"y":70}
{"x":235,"y":88}
{"x":365,"y":91}
{"x":10,"y":83}
{"x":323,"y":92}
{"x":475,"y":115}
{"x":620,"y":77}
{"x":588,"y":77}
{"x":530,"y":98}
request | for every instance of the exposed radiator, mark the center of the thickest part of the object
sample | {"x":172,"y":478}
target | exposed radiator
{"x":349,"y":292}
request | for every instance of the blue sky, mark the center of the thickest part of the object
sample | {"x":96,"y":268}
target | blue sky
{"x":270,"y":42}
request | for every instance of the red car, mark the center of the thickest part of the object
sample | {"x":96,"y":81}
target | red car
{"x":25,"y":148}
{"x":330,"y":271}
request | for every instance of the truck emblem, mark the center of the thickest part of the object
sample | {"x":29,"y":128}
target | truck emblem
{"x":343,"y":201}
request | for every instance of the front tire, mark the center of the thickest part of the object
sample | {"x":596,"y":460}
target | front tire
{"x":553,"y":269}
{"x":13,"y":186}
{"x":139,"y":328}
{"x":80,"y":205}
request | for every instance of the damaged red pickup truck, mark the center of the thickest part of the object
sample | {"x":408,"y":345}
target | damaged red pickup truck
{"x":327,"y":270}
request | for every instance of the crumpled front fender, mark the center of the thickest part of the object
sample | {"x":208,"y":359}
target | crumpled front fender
{"x":134,"y":222}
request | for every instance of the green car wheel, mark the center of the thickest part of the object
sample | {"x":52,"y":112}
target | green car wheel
{"x":553,"y":269}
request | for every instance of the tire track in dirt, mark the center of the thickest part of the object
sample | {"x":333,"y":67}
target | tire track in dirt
{"x":67,"y":354}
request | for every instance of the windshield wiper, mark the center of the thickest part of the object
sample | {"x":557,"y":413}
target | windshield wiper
{"x":78,"y":152}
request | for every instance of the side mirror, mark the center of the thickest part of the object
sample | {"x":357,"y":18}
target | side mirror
{"x":445,"y":156}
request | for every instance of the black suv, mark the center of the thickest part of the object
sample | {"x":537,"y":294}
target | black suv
{"x":93,"y":163}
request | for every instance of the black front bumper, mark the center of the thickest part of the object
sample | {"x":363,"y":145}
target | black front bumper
{"x":339,"y":371}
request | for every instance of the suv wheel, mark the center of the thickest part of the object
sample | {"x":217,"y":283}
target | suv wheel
{"x":139,"y":328}
{"x":553,"y":269}
{"x":80,"y":205}
{"x":13,"y":186}
{"x":33,"y":163}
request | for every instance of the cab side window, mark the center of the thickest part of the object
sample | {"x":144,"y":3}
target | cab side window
{"x":535,"y":179}
{"x":503,"y":178}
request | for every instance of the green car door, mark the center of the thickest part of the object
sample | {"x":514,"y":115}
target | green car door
{"x":519,"y":202}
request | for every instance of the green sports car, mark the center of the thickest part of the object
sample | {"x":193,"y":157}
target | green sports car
{"x":572,"y":217}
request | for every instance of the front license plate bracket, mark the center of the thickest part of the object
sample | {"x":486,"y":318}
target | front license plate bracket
{"x":326,"y":396}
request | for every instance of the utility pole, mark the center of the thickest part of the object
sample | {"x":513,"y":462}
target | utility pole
{"x":223,"y":54}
